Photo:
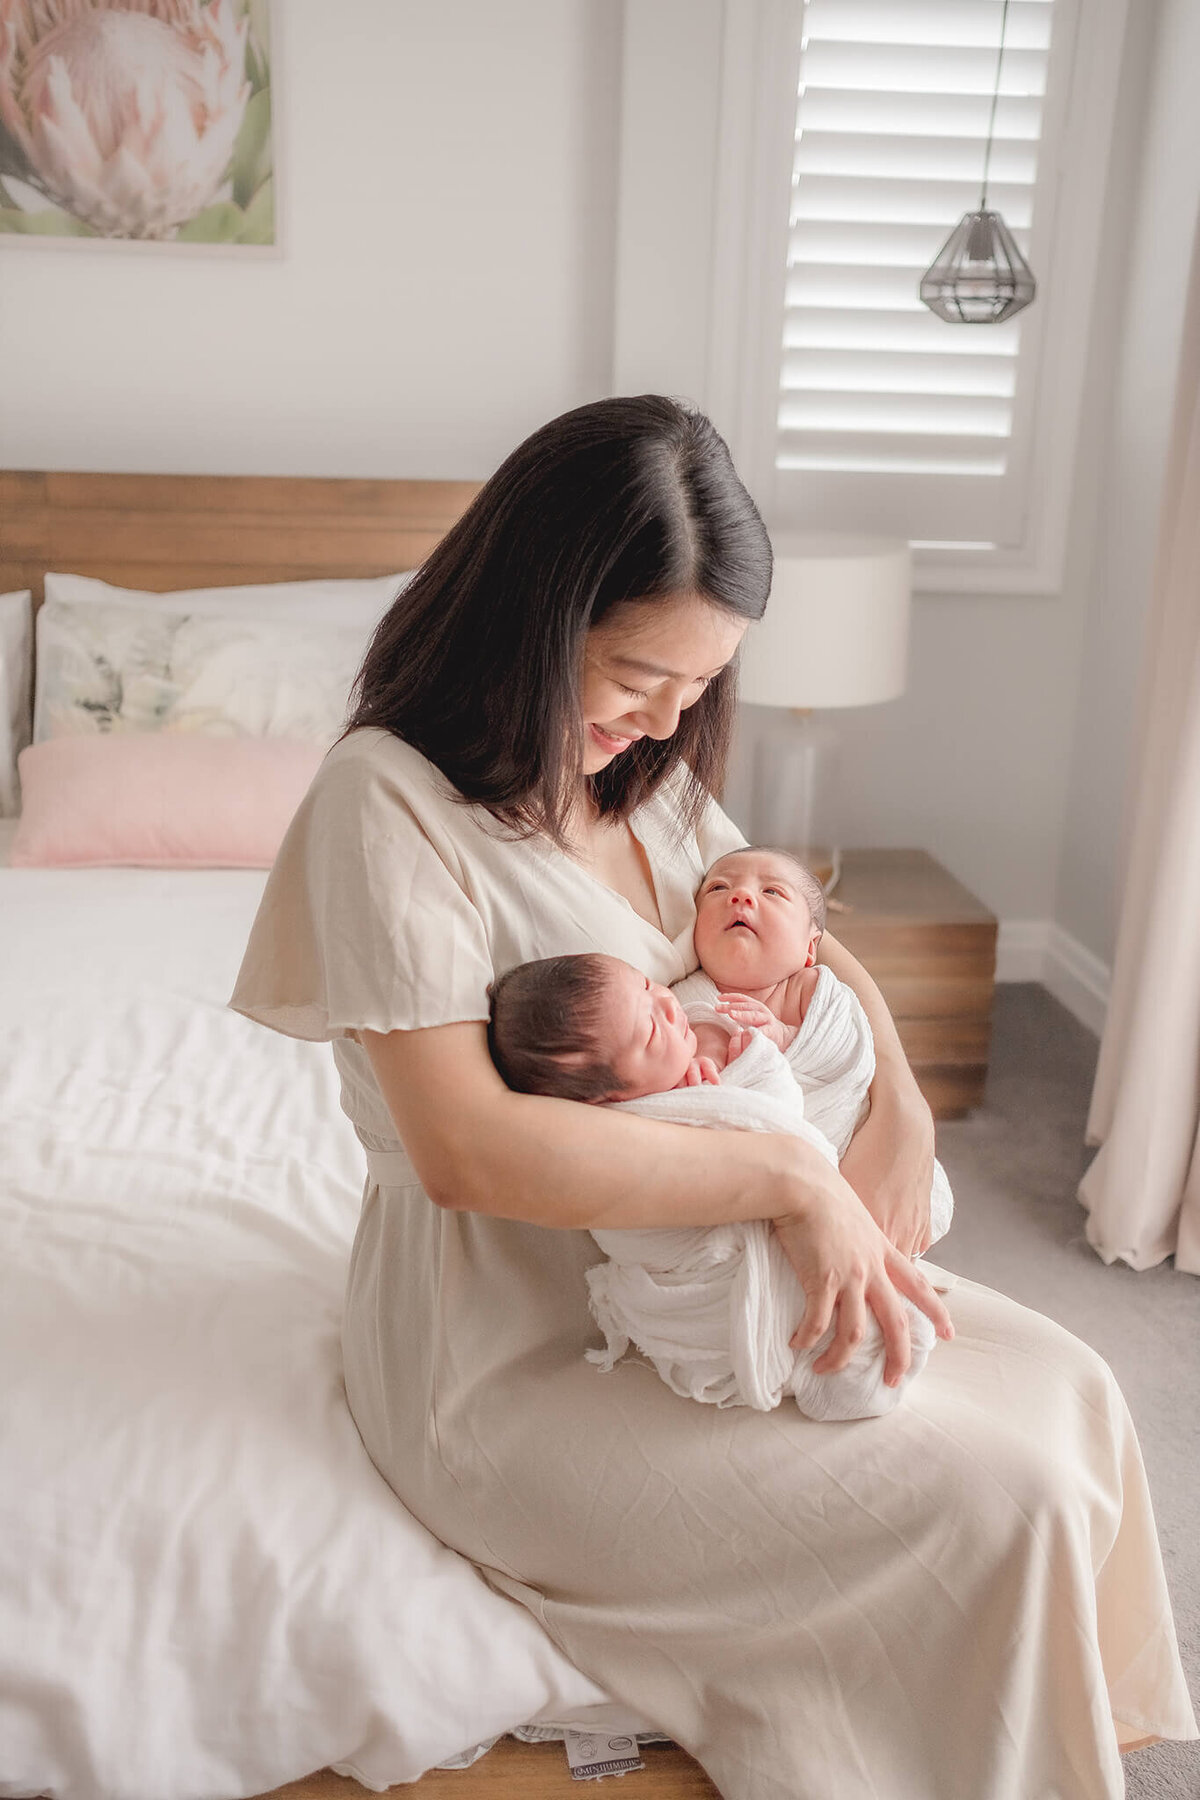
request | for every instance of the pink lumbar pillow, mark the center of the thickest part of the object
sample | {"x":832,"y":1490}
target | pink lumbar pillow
{"x":160,"y":800}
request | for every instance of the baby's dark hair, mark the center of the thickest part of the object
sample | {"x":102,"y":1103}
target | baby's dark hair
{"x":543,"y":1028}
{"x":806,"y":881}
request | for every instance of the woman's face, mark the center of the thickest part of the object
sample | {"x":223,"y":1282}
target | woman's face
{"x":644,"y":664}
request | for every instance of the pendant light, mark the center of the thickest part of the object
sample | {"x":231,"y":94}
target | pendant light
{"x":979,"y":277}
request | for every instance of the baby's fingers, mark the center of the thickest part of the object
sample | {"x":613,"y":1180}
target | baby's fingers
{"x":740,"y":1006}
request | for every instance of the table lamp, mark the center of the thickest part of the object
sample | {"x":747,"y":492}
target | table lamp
{"x":835,"y":633}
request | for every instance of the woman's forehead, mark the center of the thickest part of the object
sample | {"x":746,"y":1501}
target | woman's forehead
{"x":672,"y":636}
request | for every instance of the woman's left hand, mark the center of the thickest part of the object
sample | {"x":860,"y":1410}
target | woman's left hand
{"x":889,"y":1164}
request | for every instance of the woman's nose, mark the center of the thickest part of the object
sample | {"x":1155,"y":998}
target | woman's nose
{"x":660,"y":714}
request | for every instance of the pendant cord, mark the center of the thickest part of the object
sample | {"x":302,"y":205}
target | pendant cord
{"x":987,"y":154}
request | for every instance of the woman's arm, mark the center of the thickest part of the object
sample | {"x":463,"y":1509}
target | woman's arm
{"x":889,"y":1162}
{"x":478,"y":1147}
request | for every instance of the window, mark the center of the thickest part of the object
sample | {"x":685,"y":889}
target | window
{"x":788,"y":170}
{"x":882,"y":404}
{"x":881,"y":415}
{"x":891,"y":132}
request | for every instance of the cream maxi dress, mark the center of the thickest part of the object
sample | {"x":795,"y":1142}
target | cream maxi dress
{"x":953,"y":1602}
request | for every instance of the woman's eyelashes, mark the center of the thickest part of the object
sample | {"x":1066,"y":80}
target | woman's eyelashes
{"x":700,"y":682}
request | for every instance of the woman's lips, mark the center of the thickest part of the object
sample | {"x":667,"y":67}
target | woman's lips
{"x":608,"y":740}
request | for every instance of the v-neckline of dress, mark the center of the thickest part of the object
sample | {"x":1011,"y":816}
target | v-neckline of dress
{"x":660,"y":929}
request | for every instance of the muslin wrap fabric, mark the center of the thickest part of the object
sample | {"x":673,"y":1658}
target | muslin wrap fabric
{"x":714,"y":1309}
{"x":956,"y":1600}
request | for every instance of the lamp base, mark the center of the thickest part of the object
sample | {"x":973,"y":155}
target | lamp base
{"x":795,"y":762}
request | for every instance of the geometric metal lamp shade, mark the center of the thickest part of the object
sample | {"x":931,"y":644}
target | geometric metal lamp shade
{"x":978,"y":276}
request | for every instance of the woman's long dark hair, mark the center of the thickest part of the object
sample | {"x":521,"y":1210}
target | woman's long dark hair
{"x":478,"y":662}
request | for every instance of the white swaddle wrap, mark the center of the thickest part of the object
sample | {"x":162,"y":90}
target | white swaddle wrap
{"x":714,"y":1307}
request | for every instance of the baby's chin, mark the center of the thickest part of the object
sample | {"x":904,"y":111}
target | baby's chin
{"x":738,"y":962}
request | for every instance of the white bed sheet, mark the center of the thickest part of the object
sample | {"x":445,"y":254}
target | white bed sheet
{"x":206,"y":1589}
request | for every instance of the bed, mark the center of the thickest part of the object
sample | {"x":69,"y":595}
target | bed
{"x":206,"y":1589}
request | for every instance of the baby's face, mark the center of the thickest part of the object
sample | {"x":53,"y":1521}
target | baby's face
{"x":753,"y":924}
{"x":644,"y":1032}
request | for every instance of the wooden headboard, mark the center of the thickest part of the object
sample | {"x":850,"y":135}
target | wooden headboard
{"x":185,"y":531}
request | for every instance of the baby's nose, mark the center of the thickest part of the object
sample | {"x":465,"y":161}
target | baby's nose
{"x":673,"y":1009}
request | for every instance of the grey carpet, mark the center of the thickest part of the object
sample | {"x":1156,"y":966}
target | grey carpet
{"x":1014,"y":1166}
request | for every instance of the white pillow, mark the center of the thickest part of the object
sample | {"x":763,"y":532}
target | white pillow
{"x":16,"y":645}
{"x":118,"y":668}
{"x":350,"y":602}
{"x":272,"y":660}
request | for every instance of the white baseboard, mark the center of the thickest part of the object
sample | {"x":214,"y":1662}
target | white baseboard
{"x":1040,"y":950}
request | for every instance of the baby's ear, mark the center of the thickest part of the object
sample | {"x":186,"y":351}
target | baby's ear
{"x":813,"y":941}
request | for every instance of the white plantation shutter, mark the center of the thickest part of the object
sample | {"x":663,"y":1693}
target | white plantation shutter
{"x":886,"y":413}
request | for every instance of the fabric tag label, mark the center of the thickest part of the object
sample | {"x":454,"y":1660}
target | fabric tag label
{"x":594,"y":1754}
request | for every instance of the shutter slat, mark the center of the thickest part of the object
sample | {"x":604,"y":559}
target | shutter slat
{"x":913,"y":114}
{"x":914,"y":415}
{"x":935,"y":22}
{"x":893,"y":289}
{"x":886,"y":246}
{"x":896,"y":68}
{"x":905,"y":202}
{"x":866,"y":453}
{"x":914,"y":158}
{"x":846,"y":328}
{"x":835,"y":241}
{"x":894,"y":372}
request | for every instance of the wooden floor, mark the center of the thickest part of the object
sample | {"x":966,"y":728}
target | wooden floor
{"x":513,"y":1771}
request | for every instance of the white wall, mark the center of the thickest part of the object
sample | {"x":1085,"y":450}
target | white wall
{"x":447,"y":171}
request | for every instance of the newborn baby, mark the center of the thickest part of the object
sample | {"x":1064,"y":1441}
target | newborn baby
{"x":760,"y":916}
{"x":713,"y":1308}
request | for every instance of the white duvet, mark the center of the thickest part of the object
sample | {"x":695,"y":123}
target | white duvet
{"x":206,"y":1589}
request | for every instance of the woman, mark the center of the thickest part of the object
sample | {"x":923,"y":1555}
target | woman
{"x":952,"y":1603}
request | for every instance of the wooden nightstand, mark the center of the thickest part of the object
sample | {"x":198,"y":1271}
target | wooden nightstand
{"x":931,"y":946}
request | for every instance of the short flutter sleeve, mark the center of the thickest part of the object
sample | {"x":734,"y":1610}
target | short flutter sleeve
{"x":366,"y":921}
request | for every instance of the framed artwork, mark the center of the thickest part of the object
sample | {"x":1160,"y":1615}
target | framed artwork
{"x":140,"y":121}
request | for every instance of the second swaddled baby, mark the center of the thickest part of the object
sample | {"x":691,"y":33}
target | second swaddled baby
{"x":714,"y":1308}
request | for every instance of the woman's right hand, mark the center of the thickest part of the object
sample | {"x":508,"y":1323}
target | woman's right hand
{"x":845,"y":1264}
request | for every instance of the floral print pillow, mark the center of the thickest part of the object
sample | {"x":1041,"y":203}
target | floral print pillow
{"x":118,"y":668}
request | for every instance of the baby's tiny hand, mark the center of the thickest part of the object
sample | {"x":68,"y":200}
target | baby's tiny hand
{"x":747,"y":1012}
{"x":700,"y":1070}
{"x":740,"y":1040}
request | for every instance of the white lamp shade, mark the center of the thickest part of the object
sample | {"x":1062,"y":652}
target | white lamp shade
{"x":835,"y":631}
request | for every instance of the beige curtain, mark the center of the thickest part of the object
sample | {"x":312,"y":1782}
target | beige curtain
{"x":1143,"y":1188}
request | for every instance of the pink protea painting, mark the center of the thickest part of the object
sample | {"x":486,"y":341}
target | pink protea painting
{"x":141,"y":119}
